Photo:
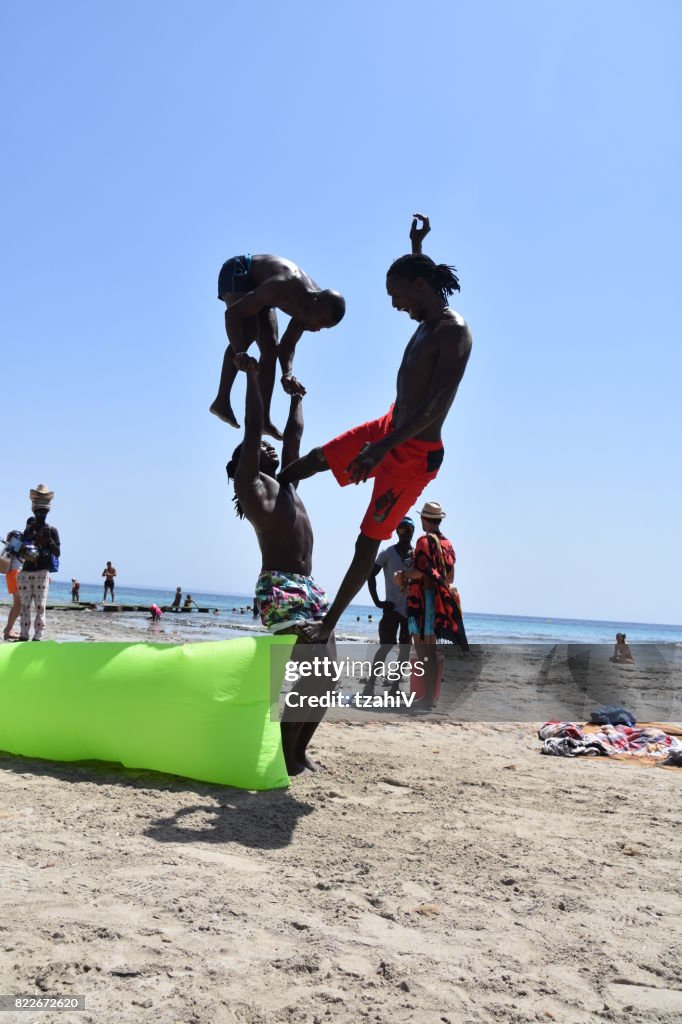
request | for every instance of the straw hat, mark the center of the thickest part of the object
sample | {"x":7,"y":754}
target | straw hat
{"x":41,"y":496}
{"x":432,"y":510}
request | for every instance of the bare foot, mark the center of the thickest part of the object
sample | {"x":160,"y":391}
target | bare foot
{"x":312,"y":766}
{"x":224,"y":413}
{"x":272,"y":431}
{"x":295,"y":767}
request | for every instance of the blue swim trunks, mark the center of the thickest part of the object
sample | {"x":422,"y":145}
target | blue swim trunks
{"x":235,"y":276}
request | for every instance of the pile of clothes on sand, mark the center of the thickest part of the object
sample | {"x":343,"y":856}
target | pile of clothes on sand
{"x":612,"y":731}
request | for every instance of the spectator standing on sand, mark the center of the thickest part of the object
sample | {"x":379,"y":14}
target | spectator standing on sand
{"x":13,"y":543}
{"x":34,"y":578}
{"x":109,"y":574}
{"x":393,"y":622}
{"x":433,"y":606}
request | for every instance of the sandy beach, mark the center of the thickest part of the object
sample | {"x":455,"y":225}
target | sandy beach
{"x":91,"y":624}
{"x":442,"y":870}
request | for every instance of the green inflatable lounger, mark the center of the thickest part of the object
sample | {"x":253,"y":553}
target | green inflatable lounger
{"x":202,"y":710}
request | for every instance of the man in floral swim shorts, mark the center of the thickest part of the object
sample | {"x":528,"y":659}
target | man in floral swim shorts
{"x":287,"y":595}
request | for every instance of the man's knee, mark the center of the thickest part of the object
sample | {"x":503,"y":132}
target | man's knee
{"x":366,"y":544}
{"x":365,"y":553}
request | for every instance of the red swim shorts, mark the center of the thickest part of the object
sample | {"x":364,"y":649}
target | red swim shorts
{"x":399,"y":479}
{"x":12,"y":585}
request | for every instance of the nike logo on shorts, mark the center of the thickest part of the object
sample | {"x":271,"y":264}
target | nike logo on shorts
{"x":384,"y":505}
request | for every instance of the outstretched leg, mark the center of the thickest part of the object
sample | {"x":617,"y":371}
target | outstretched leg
{"x":358,"y":572}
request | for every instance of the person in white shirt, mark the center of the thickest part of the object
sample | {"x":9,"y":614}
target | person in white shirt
{"x":393,"y":623}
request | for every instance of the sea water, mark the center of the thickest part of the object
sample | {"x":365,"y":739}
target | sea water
{"x":235,"y":616}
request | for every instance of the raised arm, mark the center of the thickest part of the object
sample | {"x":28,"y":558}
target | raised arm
{"x":293,"y":431}
{"x":418,"y":234}
{"x":287,"y":347}
{"x":247,"y":476}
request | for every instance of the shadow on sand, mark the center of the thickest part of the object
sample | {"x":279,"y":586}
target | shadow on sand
{"x":257,"y":820}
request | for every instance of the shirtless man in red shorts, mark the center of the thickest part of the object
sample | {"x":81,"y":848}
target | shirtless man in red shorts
{"x":402,"y":451}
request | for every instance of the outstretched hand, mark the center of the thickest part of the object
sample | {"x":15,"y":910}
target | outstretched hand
{"x":292,"y":386}
{"x":243,"y":361}
{"x":418,"y":234}
{"x":363,"y":464}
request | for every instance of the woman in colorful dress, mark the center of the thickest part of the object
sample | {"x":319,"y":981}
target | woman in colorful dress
{"x":434,"y":610}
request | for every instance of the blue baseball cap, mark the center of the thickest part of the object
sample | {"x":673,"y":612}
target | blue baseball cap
{"x":406,"y":521}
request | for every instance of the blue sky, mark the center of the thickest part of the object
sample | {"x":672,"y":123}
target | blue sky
{"x":145,"y":144}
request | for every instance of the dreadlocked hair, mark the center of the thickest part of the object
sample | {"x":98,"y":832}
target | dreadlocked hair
{"x":231,"y":470}
{"x":442,"y":278}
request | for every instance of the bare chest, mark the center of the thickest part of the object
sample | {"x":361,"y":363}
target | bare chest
{"x":418,"y":359}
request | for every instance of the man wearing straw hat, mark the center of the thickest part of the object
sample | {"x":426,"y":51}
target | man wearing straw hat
{"x":34,"y":579}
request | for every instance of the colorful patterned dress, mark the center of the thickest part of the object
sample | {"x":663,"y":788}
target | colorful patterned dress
{"x":434,"y":555}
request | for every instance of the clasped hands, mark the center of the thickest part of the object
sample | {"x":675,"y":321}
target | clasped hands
{"x":292,"y":386}
{"x":243,"y":361}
